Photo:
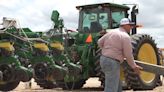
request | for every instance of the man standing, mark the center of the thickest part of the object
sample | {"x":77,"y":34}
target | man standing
{"x":116,"y":45}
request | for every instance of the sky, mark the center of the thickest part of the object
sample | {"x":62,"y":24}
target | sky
{"x":35,"y":14}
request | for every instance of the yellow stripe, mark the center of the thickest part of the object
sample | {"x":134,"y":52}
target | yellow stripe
{"x":41,"y":46}
{"x":7,"y":45}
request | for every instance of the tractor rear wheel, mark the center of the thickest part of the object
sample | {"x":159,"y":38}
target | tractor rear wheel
{"x":144,"y":49}
{"x":9,"y":86}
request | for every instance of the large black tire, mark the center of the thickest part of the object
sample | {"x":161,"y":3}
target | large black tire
{"x":73,"y":85}
{"x":46,"y":84}
{"x":9,"y":86}
{"x":144,"y":49}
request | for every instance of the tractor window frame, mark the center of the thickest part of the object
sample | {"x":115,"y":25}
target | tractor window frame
{"x":99,"y":12}
{"x":115,"y":19}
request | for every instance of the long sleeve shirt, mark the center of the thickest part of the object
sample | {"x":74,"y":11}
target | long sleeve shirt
{"x":117,"y":44}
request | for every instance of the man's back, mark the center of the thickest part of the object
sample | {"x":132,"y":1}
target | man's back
{"x":112,"y":43}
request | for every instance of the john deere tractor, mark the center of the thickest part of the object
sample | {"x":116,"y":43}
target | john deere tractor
{"x":82,"y":49}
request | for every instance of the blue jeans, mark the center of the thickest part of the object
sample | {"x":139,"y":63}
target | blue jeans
{"x":111,"y":69}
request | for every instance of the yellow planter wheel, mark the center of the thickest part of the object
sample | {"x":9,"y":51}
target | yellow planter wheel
{"x":144,"y":49}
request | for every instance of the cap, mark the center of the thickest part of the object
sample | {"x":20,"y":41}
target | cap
{"x":126,"y":21}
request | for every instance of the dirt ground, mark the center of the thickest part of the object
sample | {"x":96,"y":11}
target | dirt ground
{"x":92,"y":85}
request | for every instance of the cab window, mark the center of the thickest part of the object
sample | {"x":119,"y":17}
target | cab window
{"x":117,"y":15}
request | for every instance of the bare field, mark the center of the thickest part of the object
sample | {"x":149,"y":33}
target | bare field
{"x":92,"y":85}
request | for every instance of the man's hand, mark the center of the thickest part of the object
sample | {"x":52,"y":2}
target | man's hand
{"x":137,"y":69}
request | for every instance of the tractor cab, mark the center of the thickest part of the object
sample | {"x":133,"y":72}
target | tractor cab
{"x":93,"y":18}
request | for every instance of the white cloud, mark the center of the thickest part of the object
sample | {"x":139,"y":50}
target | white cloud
{"x":36,"y":14}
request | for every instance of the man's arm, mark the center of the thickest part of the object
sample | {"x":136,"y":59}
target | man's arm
{"x":101,"y":41}
{"x":127,"y":51}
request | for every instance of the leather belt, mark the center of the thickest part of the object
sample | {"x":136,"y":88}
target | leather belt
{"x":113,"y":59}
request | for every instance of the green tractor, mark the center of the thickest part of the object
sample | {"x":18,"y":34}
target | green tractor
{"x":82,"y":49}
